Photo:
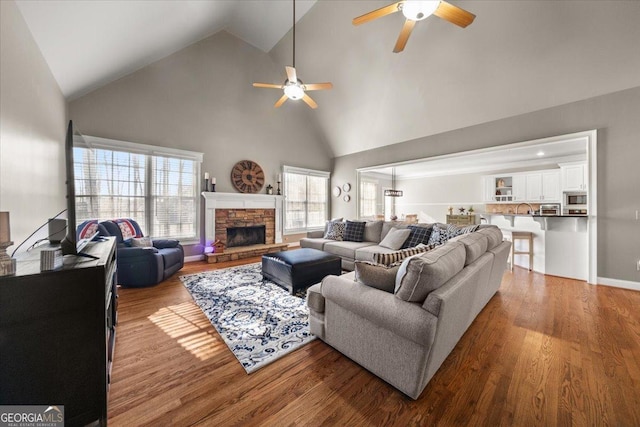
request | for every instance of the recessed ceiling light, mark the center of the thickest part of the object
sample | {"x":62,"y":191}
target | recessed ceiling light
{"x":540,"y":153}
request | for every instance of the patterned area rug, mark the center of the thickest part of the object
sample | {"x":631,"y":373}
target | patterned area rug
{"x":259,"y":320}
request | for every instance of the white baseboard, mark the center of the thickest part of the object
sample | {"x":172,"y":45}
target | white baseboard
{"x":625,"y":284}
{"x":194,"y":258}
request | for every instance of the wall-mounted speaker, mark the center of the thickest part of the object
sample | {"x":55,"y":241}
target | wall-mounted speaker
{"x":57,"y":230}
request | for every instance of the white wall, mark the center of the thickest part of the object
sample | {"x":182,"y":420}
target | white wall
{"x":32,"y":129}
{"x":434,"y":195}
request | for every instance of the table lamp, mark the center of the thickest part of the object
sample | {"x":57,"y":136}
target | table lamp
{"x":7,"y":264}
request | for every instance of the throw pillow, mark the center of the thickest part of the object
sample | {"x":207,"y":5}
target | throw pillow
{"x":377,"y":276}
{"x":354,"y":231}
{"x":127,"y":228}
{"x":335,"y":230}
{"x":464,"y":230}
{"x":420,"y":274}
{"x":393,"y":257}
{"x":395,"y":238}
{"x":141,"y":242}
{"x":439,"y":235}
{"x":418,"y":235}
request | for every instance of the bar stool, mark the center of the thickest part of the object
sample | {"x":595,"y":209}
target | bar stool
{"x":521,"y":235}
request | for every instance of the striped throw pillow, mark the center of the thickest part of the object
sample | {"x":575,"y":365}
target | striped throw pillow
{"x":393,"y":257}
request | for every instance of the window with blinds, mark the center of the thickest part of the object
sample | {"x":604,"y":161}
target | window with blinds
{"x":306,"y":199}
{"x":368,"y":199}
{"x":115,"y":179}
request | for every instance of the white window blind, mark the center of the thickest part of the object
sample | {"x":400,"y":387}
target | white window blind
{"x":368,"y":198}
{"x":158,"y":189}
{"x":306,"y":194}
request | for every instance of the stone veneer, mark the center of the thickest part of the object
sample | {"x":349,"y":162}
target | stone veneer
{"x":244,"y":218}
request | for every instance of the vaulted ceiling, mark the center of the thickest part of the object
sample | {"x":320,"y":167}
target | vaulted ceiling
{"x":516,"y":57}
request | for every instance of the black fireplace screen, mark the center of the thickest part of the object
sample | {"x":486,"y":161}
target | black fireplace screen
{"x":245,"y":236}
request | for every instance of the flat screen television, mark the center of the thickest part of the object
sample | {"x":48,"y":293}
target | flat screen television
{"x":71,"y":245}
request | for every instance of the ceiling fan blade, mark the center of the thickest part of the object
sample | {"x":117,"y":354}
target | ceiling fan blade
{"x":378,"y":13}
{"x":281,"y":101}
{"x":310,"y":102}
{"x":454,"y":14}
{"x":318,"y":86}
{"x":291,"y":74}
{"x":267,"y":85}
{"x":404,"y":35}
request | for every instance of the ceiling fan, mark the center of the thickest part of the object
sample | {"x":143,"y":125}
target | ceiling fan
{"x":417,"y":10}
{"x":293,"y":87}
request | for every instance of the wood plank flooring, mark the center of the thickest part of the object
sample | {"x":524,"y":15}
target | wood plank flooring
{"x":545,"y":351}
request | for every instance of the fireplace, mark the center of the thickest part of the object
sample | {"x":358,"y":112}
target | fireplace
{"x":245,"y":236}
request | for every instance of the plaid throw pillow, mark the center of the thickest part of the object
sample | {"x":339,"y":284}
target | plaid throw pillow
{"x":418,"y":235}
{"x":335,"y":230}
{"x":354,"y":231}
{"x":398,"y":256}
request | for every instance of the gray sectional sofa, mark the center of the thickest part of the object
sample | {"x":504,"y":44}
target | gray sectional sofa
{"x":374,"y":233}
{"x":404,"y":336}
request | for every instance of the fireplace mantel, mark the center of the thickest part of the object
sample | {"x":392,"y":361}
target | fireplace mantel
{"x":215,"y":200}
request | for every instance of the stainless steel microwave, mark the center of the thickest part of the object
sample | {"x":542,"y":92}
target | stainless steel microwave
{"x":575,"y":199}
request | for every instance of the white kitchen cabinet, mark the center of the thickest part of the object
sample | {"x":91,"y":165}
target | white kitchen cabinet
{"x":543,"y":187}
{"x":574,"y":176}
{"x":519,"y":188}
{"x":498,"y":188}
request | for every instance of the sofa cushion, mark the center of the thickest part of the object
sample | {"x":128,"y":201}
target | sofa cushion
{"x":345,"y":249}
{"x":372,"y":231}
{"x":494,"y":236}
{"x":395,"y":238}
{"x":367,"y":253}
{"x":475,"y":244}
{"x":395,"y":256}
{"x":388,"y":225}
{"x":314,"y":243}
{"x":419,"y":234}
{"x":377,"y":276}
{"x":335,"y":230}
{"x":354,"y":231}
{"x":421,"y":274}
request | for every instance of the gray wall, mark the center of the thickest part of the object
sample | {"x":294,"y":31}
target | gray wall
{"x":615,"y":116}
{"x":32,"y":129}
{"x":201,"y":99}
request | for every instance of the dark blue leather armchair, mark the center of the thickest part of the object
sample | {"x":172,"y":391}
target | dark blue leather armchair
{"x":138,"y":266}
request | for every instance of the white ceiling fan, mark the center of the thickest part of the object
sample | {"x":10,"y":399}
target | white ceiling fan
{"x":293,"y":87}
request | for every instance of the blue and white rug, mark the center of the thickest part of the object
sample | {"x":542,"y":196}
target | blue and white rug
{"x":259,"y":320}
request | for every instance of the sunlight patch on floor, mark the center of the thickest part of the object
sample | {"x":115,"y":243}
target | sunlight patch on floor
{"x":187,"y":324}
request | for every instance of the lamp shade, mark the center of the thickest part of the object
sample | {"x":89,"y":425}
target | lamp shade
{"x":417,"y":10}
{"x":5,"y":230}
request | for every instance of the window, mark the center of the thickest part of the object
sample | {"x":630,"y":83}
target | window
{"x":306,"y":199}
{"x":368,"y":199}
{"x":158,"y":187}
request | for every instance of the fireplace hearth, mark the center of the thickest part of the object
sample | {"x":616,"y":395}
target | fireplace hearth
{"x":245,"y":236}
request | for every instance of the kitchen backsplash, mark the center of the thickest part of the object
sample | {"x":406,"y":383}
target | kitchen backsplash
{"x":510,"y":208}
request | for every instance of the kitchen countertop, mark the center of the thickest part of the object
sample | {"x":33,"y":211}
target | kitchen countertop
{"x":536,"y":216}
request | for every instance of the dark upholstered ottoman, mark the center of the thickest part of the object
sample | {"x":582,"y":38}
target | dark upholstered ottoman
{"x":300,"y":268}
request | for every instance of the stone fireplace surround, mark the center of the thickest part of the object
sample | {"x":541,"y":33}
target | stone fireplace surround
{"x":224,"y":210}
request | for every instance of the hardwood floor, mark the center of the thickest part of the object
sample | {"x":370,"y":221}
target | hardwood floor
{"x":545,"y":351}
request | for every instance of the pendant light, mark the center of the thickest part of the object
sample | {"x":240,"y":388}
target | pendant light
{"x":393,"y":192}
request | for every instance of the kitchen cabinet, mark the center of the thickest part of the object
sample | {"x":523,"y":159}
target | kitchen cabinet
{"x":519,"y":188}
{"x":543,"y":186}
{"x":574,"y":176}
{"x":498,"y":188}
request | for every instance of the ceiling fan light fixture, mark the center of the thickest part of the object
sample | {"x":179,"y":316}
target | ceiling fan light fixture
{"x":417,"y":10}
{"x":293,"y":91}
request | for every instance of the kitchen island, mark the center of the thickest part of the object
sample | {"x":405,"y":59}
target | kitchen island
{"x":560,"y":242}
